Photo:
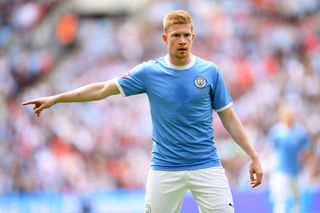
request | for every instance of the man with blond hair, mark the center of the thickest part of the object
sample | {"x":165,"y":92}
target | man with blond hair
{"x":183,"y":91}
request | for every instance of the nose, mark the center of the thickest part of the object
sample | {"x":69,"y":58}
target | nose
{"x":182,"y":40}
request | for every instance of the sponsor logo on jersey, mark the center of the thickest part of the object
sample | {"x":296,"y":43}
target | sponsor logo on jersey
{"x":200,"y":81}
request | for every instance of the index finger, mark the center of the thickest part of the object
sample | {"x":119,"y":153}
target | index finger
{"x":29,"y":102}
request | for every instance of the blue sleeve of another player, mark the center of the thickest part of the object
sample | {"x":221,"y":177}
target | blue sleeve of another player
{"x":133,"y":82}
{"x":221,"y":98}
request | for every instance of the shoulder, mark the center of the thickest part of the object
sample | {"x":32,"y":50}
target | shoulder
{"x":276,"y":128}
{"x":150,"y":65}
{"x":209,"y":70}
{"x":145,"y":65}
{"x":279,"y":127}
{"x":206,"y":63}
{"x":301,"y":130}
{"x":154,"y":62}
{"x":207,"y":67}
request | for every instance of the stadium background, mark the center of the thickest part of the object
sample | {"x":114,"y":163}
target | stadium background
{"x":94,"y":157}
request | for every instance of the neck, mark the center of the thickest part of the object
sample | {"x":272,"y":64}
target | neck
{"x":183,"y":65}
{"x":180,"y":61}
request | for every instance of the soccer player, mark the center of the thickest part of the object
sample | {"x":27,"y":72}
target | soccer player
{"x":183,"y":91}
{"x":291,"y":145}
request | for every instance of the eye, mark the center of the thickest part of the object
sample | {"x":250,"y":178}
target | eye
{"x":176,"y":35}
{"x":187,"y":34}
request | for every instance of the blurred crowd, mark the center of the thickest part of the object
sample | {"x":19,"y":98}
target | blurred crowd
{"x":267,"y":50}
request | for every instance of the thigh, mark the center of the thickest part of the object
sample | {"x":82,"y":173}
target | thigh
{"x":210,"y":189}
{"x":165,"y":191}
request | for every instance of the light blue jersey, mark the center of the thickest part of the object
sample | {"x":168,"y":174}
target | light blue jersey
{"x":288,"y":144}
{"x":181,"y":103}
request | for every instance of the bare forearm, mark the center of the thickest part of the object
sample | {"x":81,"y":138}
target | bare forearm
{"x":239,"y":135}
{"x":235,"y":128}
{"x":90,"y":92}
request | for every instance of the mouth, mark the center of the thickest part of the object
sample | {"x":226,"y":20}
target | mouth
{"x":182,"y":49}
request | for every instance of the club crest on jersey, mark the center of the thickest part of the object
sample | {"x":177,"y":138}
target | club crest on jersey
{"x":200,"y":81}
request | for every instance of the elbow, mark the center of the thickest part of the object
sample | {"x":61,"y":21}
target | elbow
{"x":105,"y":91}
{"x":101,"y":92}
{"x":227,"y":125}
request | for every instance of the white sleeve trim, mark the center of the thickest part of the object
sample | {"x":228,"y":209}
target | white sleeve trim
{"x":119,"y":87}
{"x":225,"y":107}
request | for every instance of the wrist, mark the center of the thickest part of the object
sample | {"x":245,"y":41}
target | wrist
{"x":55,"y":99}
{"x":254,"y":156}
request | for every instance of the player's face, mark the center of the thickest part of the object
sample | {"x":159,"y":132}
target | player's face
{"x":179,"y":39}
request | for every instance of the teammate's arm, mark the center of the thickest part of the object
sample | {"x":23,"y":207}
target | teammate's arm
{"x":90,"y":92}
{"x":235,"y":128}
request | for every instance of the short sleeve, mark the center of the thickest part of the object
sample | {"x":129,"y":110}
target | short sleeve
{"x":221,"y":98}
{"x":133,"y":82}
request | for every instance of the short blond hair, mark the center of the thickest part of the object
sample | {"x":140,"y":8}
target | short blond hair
{"x":177,"y":17}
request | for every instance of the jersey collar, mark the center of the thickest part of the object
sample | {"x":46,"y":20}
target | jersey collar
{"x":184,"y":67}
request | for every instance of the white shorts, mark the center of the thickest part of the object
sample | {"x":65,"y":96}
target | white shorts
{"x":210,"y":188}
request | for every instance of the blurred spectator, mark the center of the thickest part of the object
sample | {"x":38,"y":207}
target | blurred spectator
{"x":67,"y":29}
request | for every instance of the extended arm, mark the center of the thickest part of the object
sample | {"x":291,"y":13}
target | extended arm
{"x":90,"y":92}
{"x":235,"y":128}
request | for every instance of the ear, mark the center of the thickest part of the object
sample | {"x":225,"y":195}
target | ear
{"x":165,"y":38}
